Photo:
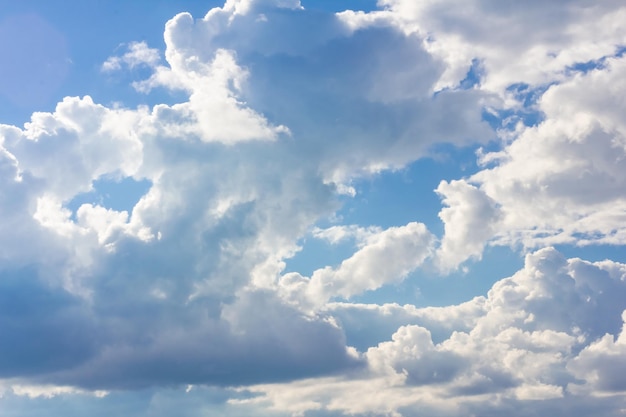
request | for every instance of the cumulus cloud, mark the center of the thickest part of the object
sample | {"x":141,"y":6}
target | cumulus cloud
{"x":338,"y":233}
{"x":534,"y":42}
{"x":470,"y":219}
{"x":237,"y":173}
{"x":297,"y":81}
{"x":188,"y":286}
{"x":549,"y":333}
{"x":561,"y":181}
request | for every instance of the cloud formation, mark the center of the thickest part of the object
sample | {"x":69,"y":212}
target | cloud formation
{"x":561,"y":181}
{"x":237,"y":177}
{"x":551,"y":333}
{"x":281,"y":110}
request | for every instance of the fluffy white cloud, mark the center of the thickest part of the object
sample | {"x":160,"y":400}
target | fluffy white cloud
{"x":238,"y":172}
{"x":601,"y":365}
{"x":338,"y":233}
{"x":531,"y":42}
{"x":385,"y":257}
{"x":295,"y":80}
{"x":561,"y":181}
{"x":542,"y":339}
{"x":470,"y":219}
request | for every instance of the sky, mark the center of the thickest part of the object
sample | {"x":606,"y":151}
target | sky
{"x":312,"y":208}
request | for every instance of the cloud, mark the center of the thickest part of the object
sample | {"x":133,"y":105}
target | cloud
{"x":297,"y":81}
{"x":368,"y":325}
{"x":214,"y":112}
{"x":188,"y":286}
{"x":561,"y":181}
{"x":534,"y":43}
{"x":193,"y":401}
{"x":139,"y":54}
{"x":167,"y":292}
{"x":470,"y":219}
{"x":542,"y":339}
{"x":600,"y":365}
{"x":338,"y":233}
{"x":386,"y":257}
{"x":238,"y":347}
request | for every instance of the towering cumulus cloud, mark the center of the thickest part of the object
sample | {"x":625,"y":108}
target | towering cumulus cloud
{"x":270,"y":114}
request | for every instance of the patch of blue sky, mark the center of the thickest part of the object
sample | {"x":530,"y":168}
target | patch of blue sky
{"x":387,"y":199}
{"x":115,"y":194}
{"x":528,"y":114}
{"x":81,"y":37}
{"x":74,"y":38}
{"x":339,"y":6}
{"x":600,"y":63}
{"x":594,"y":252}
{"x":527,"y":94}
{"x":473,"y":76}
{"x":585,"y":67}
{"x":427,"y":287}
{"x":395,"y":198}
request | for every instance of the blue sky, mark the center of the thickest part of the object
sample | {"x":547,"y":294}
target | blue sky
{"x":312,"y":208}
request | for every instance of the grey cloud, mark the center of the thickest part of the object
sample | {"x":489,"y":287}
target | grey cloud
{"x":379,"y":103}
{"x":44,"y":328}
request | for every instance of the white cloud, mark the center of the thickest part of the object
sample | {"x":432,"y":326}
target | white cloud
{"x":213,"y":112}
{"x":296,"y":81}
{"x":535,"y":343}
{"x":470,"y":219}
{"x":559,"y":182}
{"x":138,"y":54}
{"x":178,"y":275}
{"x":78,"y":143}
{"x":532,"y":42}
{"x":367,"y":325}
{"x":601,"y":366}
{"x":35,"y":391}
{"x":188,"y":286}
{"x":385,"y":257}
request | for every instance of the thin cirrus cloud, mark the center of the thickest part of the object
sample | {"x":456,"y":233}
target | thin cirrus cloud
{"x":186,"y":294}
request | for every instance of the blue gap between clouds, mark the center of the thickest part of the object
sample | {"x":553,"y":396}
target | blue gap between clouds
{"x":334,"y":6}
{"x":600,"y":63}
{"x":594,"y":253}
{"x":390,"y":198}
{"x":395,"y":199}
{"x":115,"y":194}
{"x":426,"y":287}
{"x":473,"y":76}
